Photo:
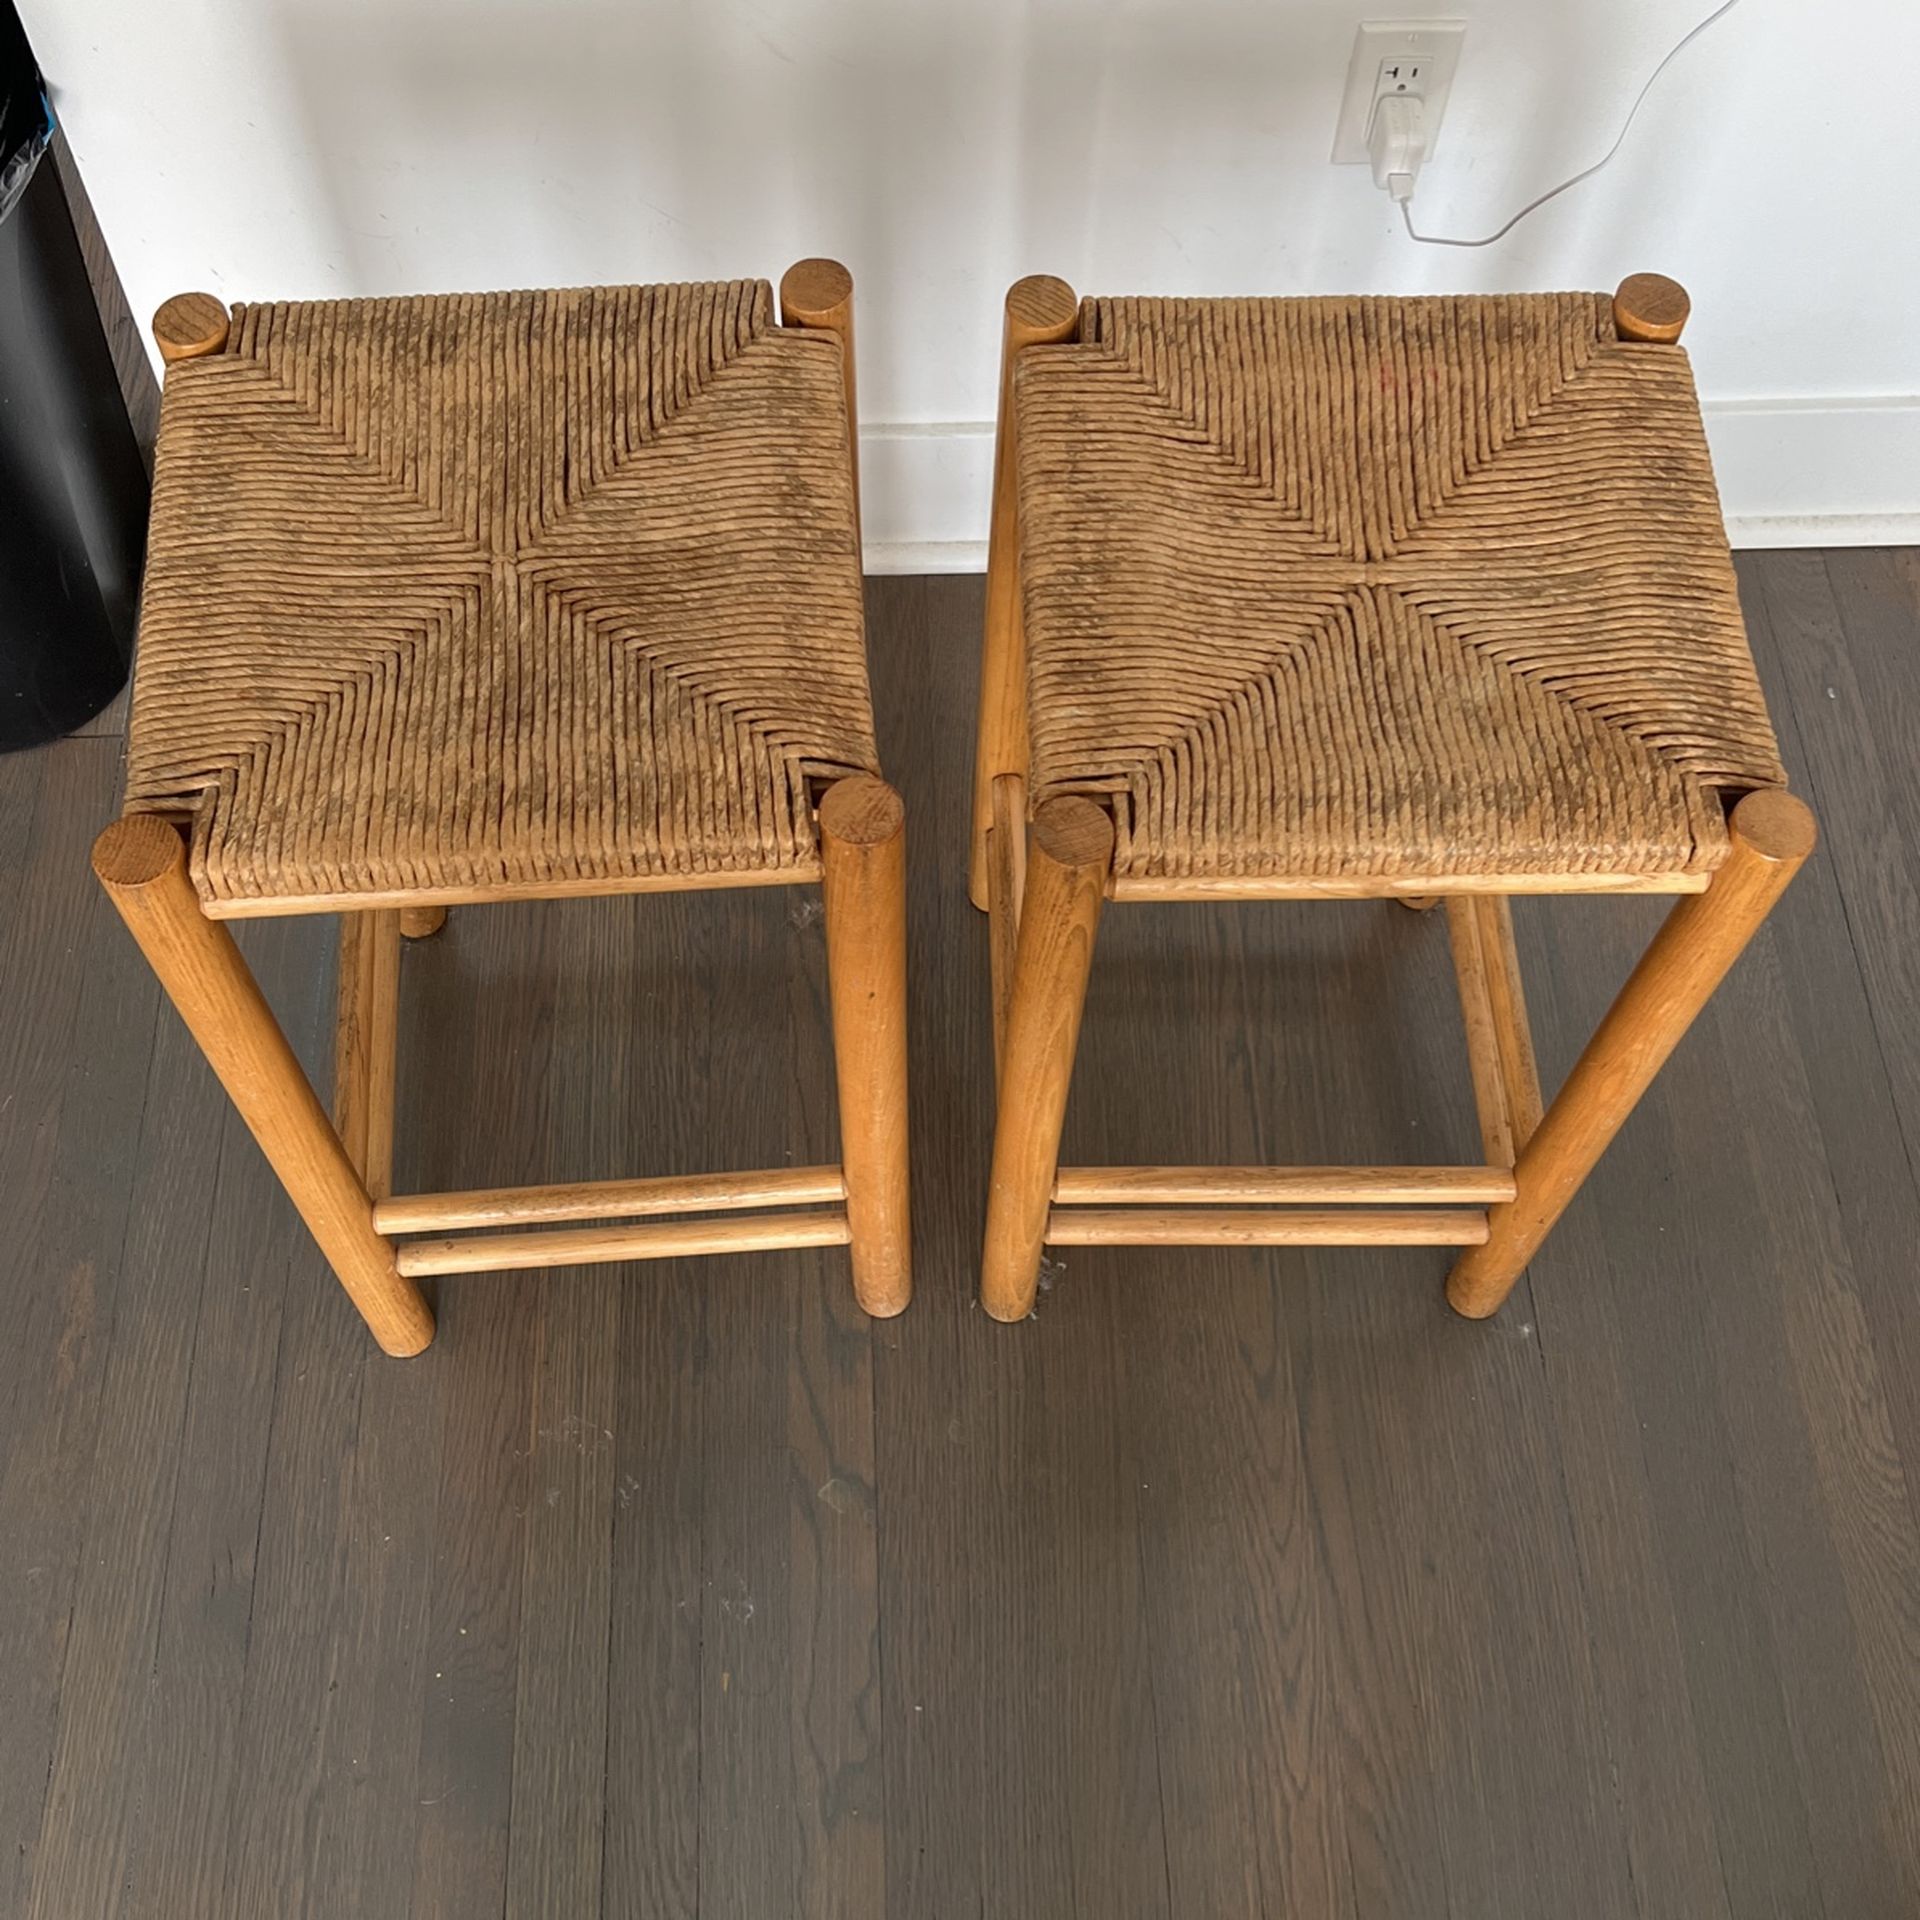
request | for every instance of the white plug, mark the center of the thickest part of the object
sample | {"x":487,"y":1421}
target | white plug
{"x":1397,"y":143}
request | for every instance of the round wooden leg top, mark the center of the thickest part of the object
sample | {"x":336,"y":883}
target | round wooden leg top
{"x":136,"y":850}
{"x":1650,"y":307}
{"x":815,"y":293}
{"x":190,"y":326}
{"x":1041,"y":307}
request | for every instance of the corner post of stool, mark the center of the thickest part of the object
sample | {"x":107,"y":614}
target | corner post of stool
{"x":1006,"y":886}
{"x":817,"y":295}
{"x":141,"y":862}
{"x":1041,"y":311}
{"x":189,"y":327}
{"x":1649,"y":307}
{"x":863,"y":863}
{"x":366,"y":1043}
{"x":1069,"y":858}
{"x":1771,"y":834}
{"x":421,"y":923}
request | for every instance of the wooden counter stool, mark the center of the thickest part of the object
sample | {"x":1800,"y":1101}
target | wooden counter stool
{"x":505,"y":597}
{"x":1322,"y":598}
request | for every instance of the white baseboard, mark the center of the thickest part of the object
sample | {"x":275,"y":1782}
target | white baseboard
{"x":1828,"y":472}
{"x":924,"y":496}
{"x":1754,"y":530}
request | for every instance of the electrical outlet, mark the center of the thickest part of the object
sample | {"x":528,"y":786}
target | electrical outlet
{"x":1396,"y":56}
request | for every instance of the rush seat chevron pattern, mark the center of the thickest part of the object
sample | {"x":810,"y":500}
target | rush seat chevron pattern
{"x":1364,"y":587}
{"x":505,"y":591}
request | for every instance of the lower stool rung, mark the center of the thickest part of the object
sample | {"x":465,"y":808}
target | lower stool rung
{"x":1244,"y":1227}
{"x":608,"y":1199}
{"x":590,"y":1246}
{"x":1281,"y":1186}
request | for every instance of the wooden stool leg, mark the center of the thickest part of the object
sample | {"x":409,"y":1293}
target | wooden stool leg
{"x":366,"y":1040}
{"x":1040,"y":311}
{"x":141,"y":861}
{"x":422,"y":923}
{"x":863,"y":860}
{"x":1772,"y":833}
{"x":817,"y":295}
{"x":1006,"y":887}
{"x":1069,"y":854}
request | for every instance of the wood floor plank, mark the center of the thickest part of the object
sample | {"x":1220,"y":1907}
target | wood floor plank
{"x":1021,"y":1773}
{"x":184,"y":1763}
{"x":656,"y":1660}
{"x":656,"y":1663}
{"x":789,"y":1644}
{"x":1660,"y":1233}
{"x":1875,"y":593}
{"x":748,"y":1824}
{"x":185,"y":1406}
{"x":1859,"y":1665}
{"x":940,"y":1585}
{"x":370,"y":1802}
{"x":284,"y":1817}
{"x":1251,"y":1797}
{"x":1825,"y":1496}
{"x":1640,"y":1670}
{"x":92,"y":1788}
{"x":469,"y":1049}
{"x":557,"y":1841}
{"x":161,"y":1613}
{"x":560,"y":1705}
{"x":70,"y":1128}
{"x":1860,"y":796}
{"x":366,"y":1802}
{"x":833,"y":1579}
{"x":1517,"y":1743}
{"x":1797,"y":634}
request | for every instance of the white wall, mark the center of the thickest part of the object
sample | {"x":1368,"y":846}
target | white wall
{"x":267,"y":148}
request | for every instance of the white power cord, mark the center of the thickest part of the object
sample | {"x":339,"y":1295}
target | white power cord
{"x":1396,"y":142}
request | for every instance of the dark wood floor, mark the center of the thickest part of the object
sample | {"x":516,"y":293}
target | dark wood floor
{"x":1235,"y":1583}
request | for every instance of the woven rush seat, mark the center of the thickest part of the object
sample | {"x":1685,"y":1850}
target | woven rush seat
{"x":1342,"y":588}
{"x":466,"y":595}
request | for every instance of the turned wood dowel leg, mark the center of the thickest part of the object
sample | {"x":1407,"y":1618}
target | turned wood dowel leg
{"x":1006,"y":883}
{"x":421,"y":923}
{"x":1772,"y":833}
{"x":1483,"y":1047}
{"x":141,"y":861}
{"x":864,"y":880}
{"x":1507,"y":1001}
{"x":1069,"y":854}
{"x":1506,"y":1083}
{"x":366,"y":1040}
{"x":818,"y":295}
{"x":1041,"y":311}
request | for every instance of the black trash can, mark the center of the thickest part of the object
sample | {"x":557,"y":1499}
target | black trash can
{"x":73,"y":488}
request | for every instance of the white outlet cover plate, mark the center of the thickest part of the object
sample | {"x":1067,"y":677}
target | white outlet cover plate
{"x":1431,"y":46}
